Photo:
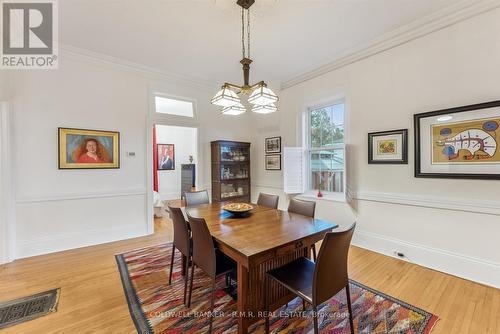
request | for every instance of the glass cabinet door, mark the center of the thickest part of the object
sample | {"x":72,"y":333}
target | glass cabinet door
{"x":234,"y":171}
{"x":231,"y":153}
{"x":234,"y":189}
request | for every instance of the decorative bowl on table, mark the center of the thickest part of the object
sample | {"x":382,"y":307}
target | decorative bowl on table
{"x":238,"y":209}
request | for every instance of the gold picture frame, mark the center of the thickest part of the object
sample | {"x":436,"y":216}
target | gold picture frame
{"x":88,"y":149}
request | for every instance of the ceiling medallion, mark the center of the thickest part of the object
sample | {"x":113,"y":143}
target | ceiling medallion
{"x":261,"y":97}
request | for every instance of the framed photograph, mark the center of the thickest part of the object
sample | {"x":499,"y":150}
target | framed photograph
{"x":273,"y":162}
{"x":388,"y":147}
{"x":166,"y":156}
{"x":88,"y":149}
{"x":460,"y":143}
{"x":273,"y":145}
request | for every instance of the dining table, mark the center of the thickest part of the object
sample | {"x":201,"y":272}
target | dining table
{"x":263,"y":239}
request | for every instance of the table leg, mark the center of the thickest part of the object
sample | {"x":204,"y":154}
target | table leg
{"x":242,"y":296}
{"x":184,"y":265}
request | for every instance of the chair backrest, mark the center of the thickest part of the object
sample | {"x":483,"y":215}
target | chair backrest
{"x":181,"y":231}
{"x":305,"y":208}
{"x":271,"y":201}
{"x":196,"y":198}
{"x":330,"y":273}
{"x":203,"y":246}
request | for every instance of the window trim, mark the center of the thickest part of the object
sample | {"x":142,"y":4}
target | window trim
{"x":306,"y":140}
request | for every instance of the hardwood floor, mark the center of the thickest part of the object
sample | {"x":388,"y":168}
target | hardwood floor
{"x":92,"y":299}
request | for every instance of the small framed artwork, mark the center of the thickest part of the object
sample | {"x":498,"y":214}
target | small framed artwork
{"x":388,"y":147}
{"x":273,"y":145}
{"x":273,"y":162}
{"x":166,"y":156}
{"x":461,"y":143}
{"x":88,"y":149}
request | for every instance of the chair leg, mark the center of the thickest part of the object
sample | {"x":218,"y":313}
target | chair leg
{"x":266,"y":301}
{"x":212,"y":304}
{"x":315,"y":319}
{"x":303,"y":305}
{"x":171,"y":265}
{"x":349,"y":307}
{"x":314,"y":252}
{"x":191,"y":285}
{"x":186,"y":277}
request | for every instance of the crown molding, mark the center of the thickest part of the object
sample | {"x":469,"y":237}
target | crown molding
{"x":441,"y":19}
{"x":149,"y":72}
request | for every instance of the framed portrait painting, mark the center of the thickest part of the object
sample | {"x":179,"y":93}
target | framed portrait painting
{"x":459,"y":142}
{"x":388,"y":147}
{"x":273,"y":145}
{"x":166,"y":156}
{"x":88,"y":149}
{"x":273,"y":162}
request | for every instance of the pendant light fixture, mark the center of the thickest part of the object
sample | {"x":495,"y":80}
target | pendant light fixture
{"x":259,"y":95}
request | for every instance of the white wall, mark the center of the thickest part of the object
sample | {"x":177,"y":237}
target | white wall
{"x":185,"y":144}
{"x":424,"y":218}
{"x":63,"y":209}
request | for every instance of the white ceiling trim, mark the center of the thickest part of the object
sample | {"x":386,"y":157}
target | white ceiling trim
{"x":81,"y":54}
{"x":446,"y":17}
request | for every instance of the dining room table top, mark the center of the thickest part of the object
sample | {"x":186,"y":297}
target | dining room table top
{"x":261,"y":230}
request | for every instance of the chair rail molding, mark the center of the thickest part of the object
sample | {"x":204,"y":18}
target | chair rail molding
{"x":458,"y":12}
{"x":82,"y":195}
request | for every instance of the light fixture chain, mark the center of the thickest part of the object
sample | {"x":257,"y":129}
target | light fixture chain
{"x":243,"y":30}
{"x":248,"y":31}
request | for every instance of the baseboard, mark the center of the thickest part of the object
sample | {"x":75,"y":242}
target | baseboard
{"x":67,"y":241}
{"x":474,"y":269}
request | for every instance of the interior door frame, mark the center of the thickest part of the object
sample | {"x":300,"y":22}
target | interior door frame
{"x":7,"y":195}
{"x":154,"y":119}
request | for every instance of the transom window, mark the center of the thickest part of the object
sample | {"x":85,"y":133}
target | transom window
{"x":164,"y":105}
{"x":326,"y":148}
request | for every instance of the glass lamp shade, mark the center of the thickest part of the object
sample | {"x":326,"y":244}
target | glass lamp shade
{"x":225,"y":98}
{"x":234,"y":110}
{"x":262,"y":96}
{"x":265,"y":109}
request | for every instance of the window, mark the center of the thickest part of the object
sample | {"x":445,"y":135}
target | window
{"x":326,"y":148}
{"x":168,"y":106}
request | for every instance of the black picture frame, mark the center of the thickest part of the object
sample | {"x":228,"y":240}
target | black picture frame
{"x":418,"y":167}
{"x":278,"y":150}
{"x":170,"y":166}
{"x":404,"y":145}
{"x":273,"y":155}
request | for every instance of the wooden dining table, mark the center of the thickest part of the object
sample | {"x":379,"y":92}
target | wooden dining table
{"x":264,"y":239}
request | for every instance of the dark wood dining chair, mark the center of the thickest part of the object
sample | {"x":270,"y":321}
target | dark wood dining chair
{"x":196,"y":198}
{"x":209,"y":259}
{"x":305,"y":208}
{"x":270,"y":201}
{"x":316,"y":282}
{"x":182,"y":242}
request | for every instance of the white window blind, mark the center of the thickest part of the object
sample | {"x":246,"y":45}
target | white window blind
{"x":293,"y":170}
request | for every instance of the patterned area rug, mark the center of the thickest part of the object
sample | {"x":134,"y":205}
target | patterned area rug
{"x":157,"y":307}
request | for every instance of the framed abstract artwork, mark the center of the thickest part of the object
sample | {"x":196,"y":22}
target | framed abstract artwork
{"x":459,"y":143}
{"x":273,"y":162}
{"x":166,"y":156}
{"x":88,"y":149}
{"x":273,"y":145}
{"x":388,"y":147}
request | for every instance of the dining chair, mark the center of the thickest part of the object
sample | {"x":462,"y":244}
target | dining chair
{"x":305,"y":208}
{"x":316,"y":282}
{"x":182,"y":242}
{"x":208,"y":258}
{"x":196,"y":198}
{"x":270,"y":201}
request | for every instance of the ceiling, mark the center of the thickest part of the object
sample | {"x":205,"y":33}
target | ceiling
{"x":202,"y":38}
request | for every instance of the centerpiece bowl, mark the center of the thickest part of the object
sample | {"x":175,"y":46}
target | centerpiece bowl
{"x":238,"y":209}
